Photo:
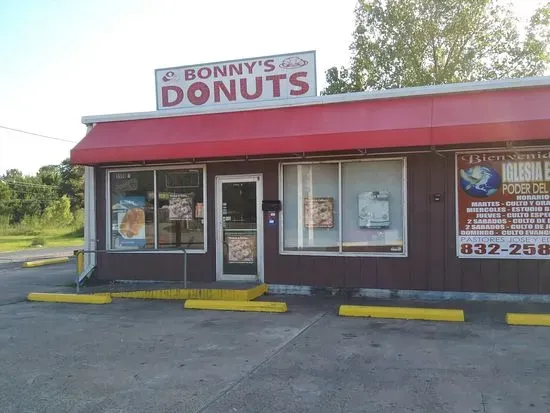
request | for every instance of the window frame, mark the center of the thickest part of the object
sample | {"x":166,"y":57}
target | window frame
{"x":154,"y":169}
{"x":340,"y":253}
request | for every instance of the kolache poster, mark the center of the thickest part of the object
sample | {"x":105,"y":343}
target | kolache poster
{"x":241,"y":249}
{"x":180,"y":207}
{"x":319,"y":212}
{"x":503,"y":204}
{"x":129,"y":221}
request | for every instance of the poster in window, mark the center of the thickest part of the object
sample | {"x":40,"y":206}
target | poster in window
{"x":180,"y":207}
{"x":124,"y":182}
{"x":319,"y":212}
{"x":241,"y":249}
{"x":374,"y":209}
{"x":503,"y":204}
{"x":129,"y":221}
{"x":199,"y":210}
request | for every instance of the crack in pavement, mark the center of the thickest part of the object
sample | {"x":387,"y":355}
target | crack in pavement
{"x":266,"y":360}
{"x":17,"y":301}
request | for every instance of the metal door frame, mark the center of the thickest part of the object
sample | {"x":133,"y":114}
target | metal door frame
{"x":221,"y":179}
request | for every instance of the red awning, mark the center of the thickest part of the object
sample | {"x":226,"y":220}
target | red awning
{"x":475,"y":117}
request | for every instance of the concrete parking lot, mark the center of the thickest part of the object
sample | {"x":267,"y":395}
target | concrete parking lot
{"x":154,"y":356}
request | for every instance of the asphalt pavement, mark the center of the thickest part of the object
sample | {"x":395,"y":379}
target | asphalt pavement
{"x":36,"y":254}
{"x":154,"y":356}
{"x":17,"y":282}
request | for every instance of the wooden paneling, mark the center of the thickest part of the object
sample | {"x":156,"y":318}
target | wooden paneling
{"x":434,"y":223}
{"x":544,"y":277}
{"x":431,"y":265}
{"x":418,"y":180}
{"x":528,"y":276}
{"x":369,"y":272}
{"x":489,"y":275}
{"x":507,"y":276}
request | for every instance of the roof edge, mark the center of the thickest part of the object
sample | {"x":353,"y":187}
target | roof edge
{"x":451,"y":88}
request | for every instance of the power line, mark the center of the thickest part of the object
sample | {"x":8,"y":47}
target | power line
{"x":16,"y":200}
{"x":37,"y":134}
{"x":28,"y":184}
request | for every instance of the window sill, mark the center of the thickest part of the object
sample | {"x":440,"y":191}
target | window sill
{"x":153,"y":251}
{"x":347,"y":254}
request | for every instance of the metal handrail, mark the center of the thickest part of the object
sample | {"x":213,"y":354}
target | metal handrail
{"x":84,"y":251}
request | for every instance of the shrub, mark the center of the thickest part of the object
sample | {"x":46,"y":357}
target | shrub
{"x":78,"y":223}
{"x":4,"y":223}
{"x":29,"y":225}
{"x":78,"y":218}
{"x":38,"y":241}
{"x":58,"y":213}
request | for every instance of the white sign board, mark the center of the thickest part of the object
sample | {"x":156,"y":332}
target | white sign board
{"x":249,"y":80}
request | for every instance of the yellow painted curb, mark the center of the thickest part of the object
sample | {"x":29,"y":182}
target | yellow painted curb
{"x":192,"y":294}
{"x":256,"y":292}
{"x":406,"y":313}
{"x":48,"y":261}
{"x":262,"y":306}
{"x":69,"y":298}
{"x":518,"y":319}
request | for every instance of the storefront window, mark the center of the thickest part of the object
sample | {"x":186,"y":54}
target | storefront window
{"x":311,"y":207}
{"x":132,"y":210}
{"x":177,"y":208}
{"x":373,"y":207}
{"x":373,"y":216}
{"x":180,"y":206}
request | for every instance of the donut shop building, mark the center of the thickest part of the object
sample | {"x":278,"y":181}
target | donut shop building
{"x":439,"y":188}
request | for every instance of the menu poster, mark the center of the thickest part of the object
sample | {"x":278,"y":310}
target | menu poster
{"x":180,"y":207}
{"x":129,"y":221}
{"x":124,"y":182}
{"x":241,"y":249}
{"x":503,"y":204}
{"x":318,"y":212}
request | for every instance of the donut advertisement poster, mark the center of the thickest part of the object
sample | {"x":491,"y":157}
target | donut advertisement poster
{"x":129,"y":221}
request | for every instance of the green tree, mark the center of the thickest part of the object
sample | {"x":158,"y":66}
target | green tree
{"x":30,"y":196}
{"x":72,"y":183}
{"x":58,"y":213}
{"x":49,"y":175}
{"x":6,"y":200}
{"x":403,"y":43}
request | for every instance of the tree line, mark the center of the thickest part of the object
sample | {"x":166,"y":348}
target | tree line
{"x":396,"y":43}
{"x":54,"y":195}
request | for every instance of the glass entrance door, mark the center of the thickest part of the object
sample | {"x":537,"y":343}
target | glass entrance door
{"x":239,"y":227}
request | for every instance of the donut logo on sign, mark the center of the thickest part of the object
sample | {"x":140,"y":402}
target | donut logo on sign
{"x":169,"y":76}
{"x":293,"y":63}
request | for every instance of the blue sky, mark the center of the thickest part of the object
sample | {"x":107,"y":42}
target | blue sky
{"x":60,"y":60}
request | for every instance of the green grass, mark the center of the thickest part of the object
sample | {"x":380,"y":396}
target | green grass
{"x":51,"y":237}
